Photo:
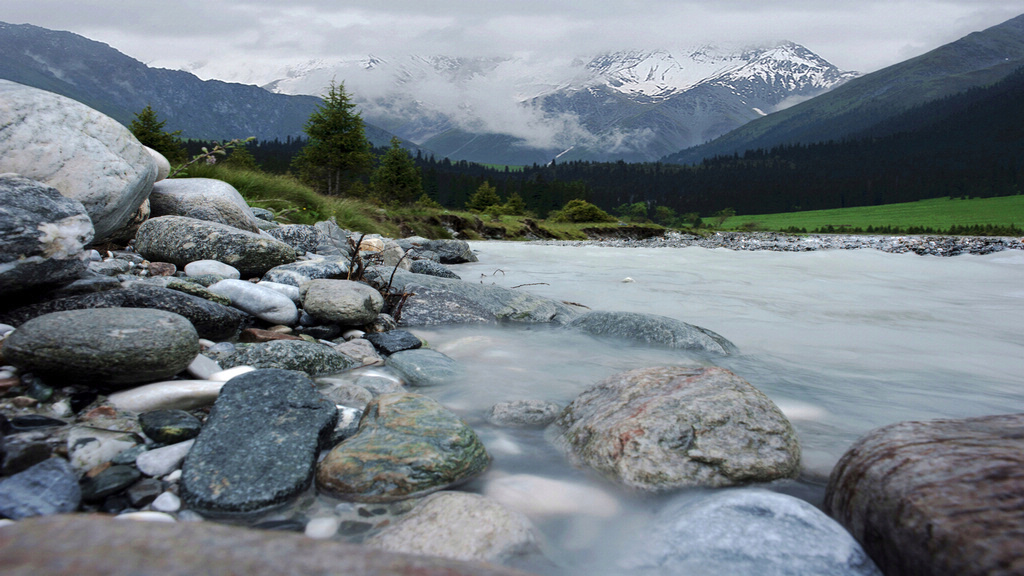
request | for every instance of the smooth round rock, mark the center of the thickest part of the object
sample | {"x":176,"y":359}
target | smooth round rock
{"x":163,"y":166}
{"x":211,"y":267}
{"x":652,"y":329}
{"x":169,"y":426}
{"x":203,"y":199}
{"x":342,"y":302}
{"x":424,"y":367}
{"x":523,"y":413}
{"x":107,"y":347}
{"x":665,"y":428}
{"x":298,"y":273}
{"x":262,"y":302}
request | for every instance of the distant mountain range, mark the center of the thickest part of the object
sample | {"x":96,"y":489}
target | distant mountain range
{"x":629,"y":105}
{"x":868,"y":103}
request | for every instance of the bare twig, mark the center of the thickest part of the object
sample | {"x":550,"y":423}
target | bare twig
{"x":532,"y":284}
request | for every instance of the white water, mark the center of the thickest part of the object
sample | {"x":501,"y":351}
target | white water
{"x":843,"y":341}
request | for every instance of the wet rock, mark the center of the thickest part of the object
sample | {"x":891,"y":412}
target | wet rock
{"x":745,"y":531}
{"x":652,"y":329}
{"x":524,"y":413}
{"x":143,"y":492}
{"x":19,"y":452}
{"x":99,"y":546}
{"x":346,"y":394}
{"x":169,"y":426}
{"x":360,"y":350}
{"x":28,"y":422}
{"x":42,"y":235}
{"x":163,"y":461}
{"x":659,"y":429}
{"x":938,"y":497}
{"x":298,"y":273}
{"x":50,"y":487}
{"x":309,"y":357}
{"x":259,"y":446}
{"x":458,"y":525}
{"x":84,"y":154}
{"x":89,"y":447}
{"x":263,"y":303}
{"x":450,"y":251}
{"x":181,"y":240}
{"x":203,"y":199}
{"x":407,"y":445}
{"x":256,"y":335}
{"x":431,"y":268}
{"x":394,"y":341}
{"x":342,"y":302}
{"x":108,"y":347}
{"x":110,"y":481}
{"x":424,"y":367}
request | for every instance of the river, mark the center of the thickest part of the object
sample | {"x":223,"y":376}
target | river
{"x":842,"y":340}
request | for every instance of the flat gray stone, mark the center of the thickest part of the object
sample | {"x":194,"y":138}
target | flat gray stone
{"x":203,"y":199}
{"x":298,"y":273}
{"x":42,"y":235}
{"x":84,"y":154}
{"x":211,"y":267}
{"x":107,"y":347}
{"x":181,"y":240}
{"x":665,"y":428}
{"x":652,"y":329}
{"x":310,"y":357}
{"x":424,"y":367}
{"x":50,"y":487}
{"x":259,"y":446}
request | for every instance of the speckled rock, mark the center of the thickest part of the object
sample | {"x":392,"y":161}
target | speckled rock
{"x":658,"y":429}
{"x":653,"y":330}
{"x":260,"y":301}
{"x":99,"y":546}
{"x":169,"y":426}
{"x":424,"y":367}
{"x":523,"y":413}
{"x":84,"y":154}
{"x":458,"y":525}
{"x":309,"y":357}
{"x":938,"y":497}
{"x":107,"y":347}
{"x":205,"y":267}
{"x":303,"y":237}
{"x":431,"y":268}
{"x":342,"y":302}
{"x":42,"y":235}
{"x":181,"y":240}
{"x":259,"y":446}
{"x":298,"y":273}
{"x":203,"y":199}
{"x":407,"y":445}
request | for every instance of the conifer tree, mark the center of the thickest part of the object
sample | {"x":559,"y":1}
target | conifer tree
{"x":337,"y":152}
{"x":149,"y":129}
{"x":397,"y":179}
{"x":484,"y":197}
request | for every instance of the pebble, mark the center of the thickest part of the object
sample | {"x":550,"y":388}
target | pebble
{"x":261,"y":302}
{"x":163,"y":461}
{"x":322,"y":528}
{"x":166,"y":502}
{"x":181,"y":394}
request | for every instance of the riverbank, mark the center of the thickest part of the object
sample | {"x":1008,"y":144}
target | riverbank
{"x":778,"y":242}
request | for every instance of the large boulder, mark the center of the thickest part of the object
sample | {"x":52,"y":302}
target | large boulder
{"x":105,"y":347}
{"x":259,"y":445}
{"x":97,"y":545}
{"x":458,"y":525}
{"x":181,"y":240}
{"x":84,"y":154}
{"x":659,"y":429}
{"x":203,"y":199}
{"x":342,"y":302}
{"x":651,"y":329}
{"x":744,"y":531}
{"x":407,"y":445}
{"x":42,"y":235}
{"x":938,"y":497}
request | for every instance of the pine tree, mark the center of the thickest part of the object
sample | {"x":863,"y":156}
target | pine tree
{"x":484,"y":197}
{"x":337,"y":152}
{"x":397,"y":179}
{"x":149,"y":129}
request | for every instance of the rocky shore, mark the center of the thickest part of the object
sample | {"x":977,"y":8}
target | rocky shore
{"x":778,"y":242}
{"x":225,"y":379}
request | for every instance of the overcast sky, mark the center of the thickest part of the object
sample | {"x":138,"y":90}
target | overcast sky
{"x":862,"y":35}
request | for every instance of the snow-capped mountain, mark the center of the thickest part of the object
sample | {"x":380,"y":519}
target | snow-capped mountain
{"x":633,"y":105}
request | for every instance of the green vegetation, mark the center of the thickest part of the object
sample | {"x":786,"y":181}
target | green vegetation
{"x":938,"y":215}
{"x":581,"y":211}
{"x":149,"y":129}
{"x":338,"y":153}
{"x":397,"y":180}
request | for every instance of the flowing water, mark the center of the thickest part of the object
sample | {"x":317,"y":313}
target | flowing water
{"x":842,"y":341}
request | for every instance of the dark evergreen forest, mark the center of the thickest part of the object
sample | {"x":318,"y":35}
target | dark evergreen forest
{"x":969,"y":145}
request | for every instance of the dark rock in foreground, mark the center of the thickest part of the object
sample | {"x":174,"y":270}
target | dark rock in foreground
{"x":658,"y":429}
{"x":654,"y":330}
{"x":101,"y":546}
{"x":939,"y":497}
{"x":259,"y":446}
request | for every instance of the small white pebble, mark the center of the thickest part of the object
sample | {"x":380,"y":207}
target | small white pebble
{"x":147,"y":516}
{"x":323,"y":528}
{"x":166,"y":502}
{"x":627,"y":280}
{"x":225,"y":375}
{"x":173,"y":476}
{"x":6,"y":522}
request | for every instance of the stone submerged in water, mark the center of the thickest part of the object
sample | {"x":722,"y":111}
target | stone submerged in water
{"x":104,"y":347}
{"x":652,"y":329}
{"x":745,"y":531}
{"x":84,"y":154}
{"x":259,"y":446}
{"x":424,"y":367}
{"x":181,"y":240}
{"x":42,"y":235}
{"x":658,"y":429}
{"x":407,"y":445}
{"x":458,"y":525}
{"x":938,"y":497}
{"x":100,"y":546}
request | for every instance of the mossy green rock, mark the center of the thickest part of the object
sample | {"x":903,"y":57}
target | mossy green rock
{"x":310,"y":357}
{"x":407,"y":445}
{"x":106,"y":347}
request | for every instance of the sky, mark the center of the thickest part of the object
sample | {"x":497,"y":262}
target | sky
{"x":860,"y":35}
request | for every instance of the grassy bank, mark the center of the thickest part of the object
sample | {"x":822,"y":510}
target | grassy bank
{"x":937,"y":215}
